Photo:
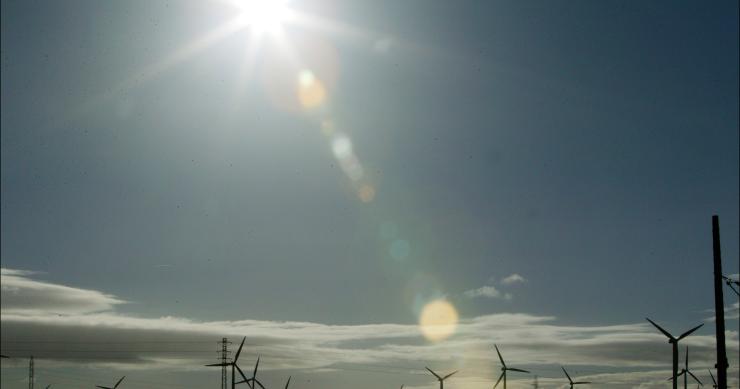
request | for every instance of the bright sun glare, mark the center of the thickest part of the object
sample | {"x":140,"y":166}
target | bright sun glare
{"x":263,"y":15}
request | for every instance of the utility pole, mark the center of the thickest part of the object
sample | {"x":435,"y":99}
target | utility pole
{"x":719,"y":308}
{"x":30,"y":373}
{"x":224,"y":359}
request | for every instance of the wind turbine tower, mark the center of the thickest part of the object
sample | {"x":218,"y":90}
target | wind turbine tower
{"x":571,"y":380}
{"x":685,"y":372}
{"x":504,"y":369}
{"x":674,"y":342}
{"x":441,"y":379}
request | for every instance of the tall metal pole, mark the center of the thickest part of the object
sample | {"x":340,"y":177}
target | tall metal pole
{"x":719,"y":308}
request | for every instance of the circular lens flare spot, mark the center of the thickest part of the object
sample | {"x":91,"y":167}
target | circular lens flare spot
{"x":341,"y":146}
{"x":438,"y":320}
{"x":311,"y":92}
{"x":366,"y":193}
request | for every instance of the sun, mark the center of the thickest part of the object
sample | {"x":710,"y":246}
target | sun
{"x":263,"y":15}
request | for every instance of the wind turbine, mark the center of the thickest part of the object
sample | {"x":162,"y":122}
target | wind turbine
{"x":571,"y":381}
{"x":440,"y":379}
{"x":504,"y":369}
{"x":714,"y":382}
{"x":254,"y":379}
{"x":233,"y":365}
{"x":674,"y":342}
{"x":287,"y":383}
{"x":685,"y":372}
{"x":108,"y":387}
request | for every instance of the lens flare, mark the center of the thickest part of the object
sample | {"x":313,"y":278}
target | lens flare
{"x":263,"y":15}
{"x":438,"y":320}
{"x":366,"y":193}
{"x":311,"y":92}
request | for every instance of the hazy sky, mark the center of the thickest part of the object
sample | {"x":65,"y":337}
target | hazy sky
{"x":179,"y":171}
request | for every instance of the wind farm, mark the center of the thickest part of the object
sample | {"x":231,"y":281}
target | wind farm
{"x":354,"y":194}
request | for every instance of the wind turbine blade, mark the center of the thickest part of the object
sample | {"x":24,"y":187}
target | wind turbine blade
{"x":241,"y":373}
{"x":221,"y":364}
{"x":581,"y":382}
{"x":236,"y":357}
{"x":712,"y":375}
{"x":287,"y":383}
{"x":567,"y":375}
{"x":666,"y":333}
{"x":256,"y":365}
{"x":435,"y":374}
{"x":681,"y":373}
{"x":119,"y":382}
{"x":519,"y":370}
{"x":686,"y":364}
{"x":499,"y":380}
{"x":687,"y":333}
{"x":695,"y":379}
{"x":450,"y":375}
{"x":258,"y":383}
{"x":499,"y":355}
{"x":102,"y":387}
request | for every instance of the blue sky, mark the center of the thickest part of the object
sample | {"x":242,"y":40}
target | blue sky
{"x":361,"y":161}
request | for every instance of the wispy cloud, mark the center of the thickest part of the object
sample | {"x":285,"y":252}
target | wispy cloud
{"x":488,"y":291}
{"x":23,"y":295}
{"x":513,"y":279}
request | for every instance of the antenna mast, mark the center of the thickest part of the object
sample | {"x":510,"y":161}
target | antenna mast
{"x":224,"y":359}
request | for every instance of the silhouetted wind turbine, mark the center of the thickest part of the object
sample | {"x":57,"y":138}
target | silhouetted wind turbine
{"x":504,"y":369}
{"x":287,"y":383}
{"x":714,"y":382}
{"x":440,"y":379}
{"x":233,"y":366}
{"x":571,"y":381}
{"x":674,"y":341}
{"x":254,"y":379}
{"x":108,"y":387}
{"x":686,"y":372}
